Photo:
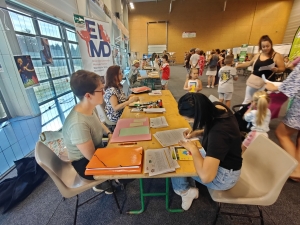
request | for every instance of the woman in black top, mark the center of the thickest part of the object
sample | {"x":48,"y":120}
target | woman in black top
{"x":267,"y":57}
{"x":218,"y":164}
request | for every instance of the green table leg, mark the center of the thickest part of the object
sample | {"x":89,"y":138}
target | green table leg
{"x":142,"y":195}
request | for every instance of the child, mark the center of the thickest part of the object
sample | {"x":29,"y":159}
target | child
{"x":165,"y":73}
{"x":192,"y":83}
{"x":227,"y":74}
{"x":259,"y":115}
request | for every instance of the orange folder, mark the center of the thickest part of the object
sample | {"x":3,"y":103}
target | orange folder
{"x":119,"y":160}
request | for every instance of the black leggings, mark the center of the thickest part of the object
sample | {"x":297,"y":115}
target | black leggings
{"x":79,"y":166}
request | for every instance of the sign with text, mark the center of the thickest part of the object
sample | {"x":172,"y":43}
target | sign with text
{"x":295,"y":49}
{"x":189,"y":34}
{"x":94,"y":44}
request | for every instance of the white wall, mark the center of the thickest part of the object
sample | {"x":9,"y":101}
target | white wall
{"x":293,"y":24}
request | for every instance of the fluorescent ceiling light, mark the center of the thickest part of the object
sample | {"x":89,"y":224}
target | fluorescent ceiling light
{"x":131,"y":5}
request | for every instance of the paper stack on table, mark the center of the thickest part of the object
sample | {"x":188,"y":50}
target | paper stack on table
{"x":155,"y":92}
{"x":154,"y":110}
{"x":158,"y":122}
{"x":171,"y":137}
{"x":159,"y":161}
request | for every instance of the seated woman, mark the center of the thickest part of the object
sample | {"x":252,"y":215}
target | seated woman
{"x":219,"y":167}
{"x":114,"y":95}
{"x":82,"y":129}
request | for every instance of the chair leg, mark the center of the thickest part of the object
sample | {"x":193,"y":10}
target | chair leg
{"x":217,"y":214}
{"x":76,"y":208}
{"x":115,"y":196}
{"x":261,"y":216}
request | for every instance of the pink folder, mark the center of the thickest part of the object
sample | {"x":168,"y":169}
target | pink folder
{"x":125,"y":123}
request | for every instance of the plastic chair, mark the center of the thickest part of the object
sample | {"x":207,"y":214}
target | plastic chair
{"x":102,"y":115}
{"x":266,"y":167}
{"x":65,"y":177}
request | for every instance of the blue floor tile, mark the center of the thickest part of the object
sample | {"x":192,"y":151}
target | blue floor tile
{"x":3,"y":164}
{"x":18,"y":130}
{"x":10,"y":156}
{"x":17,"y":151}
{"x":10,"y":134}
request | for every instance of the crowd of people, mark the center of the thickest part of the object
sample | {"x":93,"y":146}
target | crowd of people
{"x":218,"y":164}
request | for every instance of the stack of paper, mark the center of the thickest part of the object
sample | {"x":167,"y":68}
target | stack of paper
{"x":158,"y":122}
{"x":154,"y":110}
{"x":171,"y":137}
{"x":159,"y":161}
{"x":155,"y":92}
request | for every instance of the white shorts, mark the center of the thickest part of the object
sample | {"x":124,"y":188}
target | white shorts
{"x":225,"y":96}
{"x":164,"y":82}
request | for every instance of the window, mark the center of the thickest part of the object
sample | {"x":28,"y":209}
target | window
{"x":54,"y":93}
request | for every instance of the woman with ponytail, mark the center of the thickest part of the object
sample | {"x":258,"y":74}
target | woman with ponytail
{"x":219,"y":162}
{"x":259,"y":115}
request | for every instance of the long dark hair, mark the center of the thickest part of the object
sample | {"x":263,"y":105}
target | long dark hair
{"x":199,"y":107}
{"x":112,"y":77}
{"x":266,"y":38}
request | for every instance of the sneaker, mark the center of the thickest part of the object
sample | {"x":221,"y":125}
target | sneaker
{"x":104,"y":186}
{"x":212,"y":86}
{"x":188,"y":197}
{"x":208,"y":86}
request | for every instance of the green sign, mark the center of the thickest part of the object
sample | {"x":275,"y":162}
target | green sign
{"x":243,"y":53}
{"x":78,"y":19}
{"x":295,"y":49}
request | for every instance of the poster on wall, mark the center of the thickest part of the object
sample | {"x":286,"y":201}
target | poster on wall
{"x":295,"y":49}
{"x":243,"y":53}
{"x":45,"y":52}
{"x":189,"y":34}
{"x":26,"y":70}
{"x":94,"y":44}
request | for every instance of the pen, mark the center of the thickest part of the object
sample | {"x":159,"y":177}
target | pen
{"x":128,"y":143}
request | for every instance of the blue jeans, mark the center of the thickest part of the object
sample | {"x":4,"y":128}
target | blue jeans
{"x":224,"y":180}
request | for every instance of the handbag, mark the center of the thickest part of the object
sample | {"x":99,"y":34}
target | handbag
{"x":255,"y":82}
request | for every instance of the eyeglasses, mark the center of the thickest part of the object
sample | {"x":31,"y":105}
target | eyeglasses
{"x":100,"y":91}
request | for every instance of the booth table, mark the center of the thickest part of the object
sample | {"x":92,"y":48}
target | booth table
{"x":151,"y":76}
{"x":175,"y":121}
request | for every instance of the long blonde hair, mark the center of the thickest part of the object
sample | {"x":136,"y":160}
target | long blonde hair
{"x":262,"y":100}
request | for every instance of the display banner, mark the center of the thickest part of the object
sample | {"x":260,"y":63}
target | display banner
{"x":295,"y":49}
{"x":243,"y":53}
{"x":94,"y":44}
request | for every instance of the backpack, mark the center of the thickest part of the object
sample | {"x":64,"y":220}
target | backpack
{"x":213,"y":62}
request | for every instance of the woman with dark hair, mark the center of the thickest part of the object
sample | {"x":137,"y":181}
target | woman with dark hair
{"x":218,"y":164}
{"x":268,"y":62}
{"x":114,"y":97}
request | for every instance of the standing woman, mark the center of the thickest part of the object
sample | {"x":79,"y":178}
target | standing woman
{"x":267,"y":57}
{"x":290,"y":124}
{"x":201,"y":62}
{"x":114,"y":96}
{"x":212,"y":69}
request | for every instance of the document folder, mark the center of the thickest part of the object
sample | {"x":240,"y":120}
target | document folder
{"x":119,"y":160}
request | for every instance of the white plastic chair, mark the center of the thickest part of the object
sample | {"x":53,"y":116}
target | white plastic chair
{"x":265,"y":169}
{"x":65,"y":177}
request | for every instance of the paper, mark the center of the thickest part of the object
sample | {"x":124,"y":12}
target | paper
{"x":268,"y":67}
{"x":158,"y":122}
{"x":155,"y":92}
{"x":192,"y":85}
{"x":134,"y":131}
{"x":136,"y":124}
{"x":159,"y":161}
{"x":154,"y":110}
{"x":180,"y":153}
{"x":136,"y":110}
{"x":277,"y":84}
{"x":171,"y":137}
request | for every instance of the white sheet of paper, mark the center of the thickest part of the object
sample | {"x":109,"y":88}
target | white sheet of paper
{"x":268,"y":67}
{"x":171,"y":137}
{"x":139,"y":120}
{"x":158,"y":122}
{"x":154,"y":110}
